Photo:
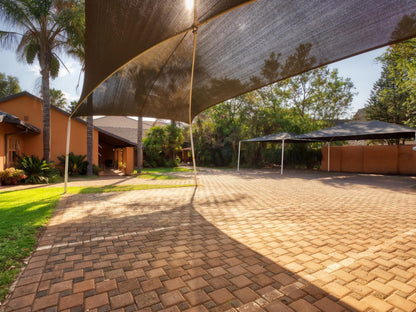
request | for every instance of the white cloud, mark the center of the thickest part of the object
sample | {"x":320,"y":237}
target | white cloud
{"x":70,"y":97}
{"x":69,"y":69}
{"x":35,"y":69}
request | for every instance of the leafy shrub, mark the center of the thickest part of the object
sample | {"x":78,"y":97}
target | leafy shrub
{"x":12,"y":176}
{"x":161,"y":145}
{"x":77,"y":165}
{"x":96,"y":170}
{"x":37,"y":171}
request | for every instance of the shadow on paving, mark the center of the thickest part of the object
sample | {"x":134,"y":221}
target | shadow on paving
{"x":151,"y":258}
{"x":338,"y":179}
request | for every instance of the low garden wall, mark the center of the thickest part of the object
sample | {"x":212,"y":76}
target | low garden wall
{"x":390,"y":159}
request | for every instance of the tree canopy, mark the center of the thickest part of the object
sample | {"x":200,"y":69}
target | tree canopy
{"x":161,"y":145}
{"x":307,"y":102}
{"x":38,"y":30}
{"x":9,"y":85}
{"x":393,"y":98}
{"x":58,"y":99}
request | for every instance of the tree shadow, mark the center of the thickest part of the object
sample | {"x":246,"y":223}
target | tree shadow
{"x":158,"y":248}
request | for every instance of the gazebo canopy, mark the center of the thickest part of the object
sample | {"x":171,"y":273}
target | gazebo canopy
{"x":366,"y":130}
{"x":276,"y":137}
{"x":139,"y":52}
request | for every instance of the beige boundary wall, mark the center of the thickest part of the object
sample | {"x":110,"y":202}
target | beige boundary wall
{"x":391,"y":159}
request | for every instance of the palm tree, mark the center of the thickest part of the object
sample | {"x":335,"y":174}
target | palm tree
{"x":76,"y":48}
{"x":38,"y":31}
{"x":58,"y":98}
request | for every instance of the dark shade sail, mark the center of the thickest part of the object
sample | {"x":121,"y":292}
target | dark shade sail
{"x":139,"y":52}
{"x":366,"y":130}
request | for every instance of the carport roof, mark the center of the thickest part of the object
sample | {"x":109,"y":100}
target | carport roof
{"x":276,"y":137}
{"x":365,"y":130}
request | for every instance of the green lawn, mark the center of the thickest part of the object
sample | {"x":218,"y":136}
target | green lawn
{"x":24,"y":212}
{"x":160,"y":173}
{"x":166,"y":170}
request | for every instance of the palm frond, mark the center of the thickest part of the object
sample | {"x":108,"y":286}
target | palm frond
{"x":54,"y":67}
{"x":31,"y":51}
{"x":9,"y":39}
{"x":27,"y":39}
{"x":14,"y":14}
{"x":60,"y":60}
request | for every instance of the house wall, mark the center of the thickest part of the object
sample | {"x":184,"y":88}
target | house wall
{"x":29,"y":110}
{"x":12,"y":132}
{"x":384,"y":159}
{"x":78,"y":142}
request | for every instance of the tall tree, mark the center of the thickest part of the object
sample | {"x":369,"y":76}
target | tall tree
{"x":385,"y":101}
{"x":303,"y":103}
{"x":393,"y":98}
{"x":76,"y":43}
{"x":37,"y":29}
{"x":9,"y":85}
{"x":319,"y":94}
{"x":58,"y":98}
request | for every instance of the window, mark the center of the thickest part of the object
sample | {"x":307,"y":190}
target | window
{"x":13,"y":151}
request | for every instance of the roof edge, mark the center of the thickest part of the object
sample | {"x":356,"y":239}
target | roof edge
{"x":25,"y":93}
{"x":115,"y":136}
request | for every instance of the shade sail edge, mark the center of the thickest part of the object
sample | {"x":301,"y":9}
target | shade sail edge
{"x":211,"y":94}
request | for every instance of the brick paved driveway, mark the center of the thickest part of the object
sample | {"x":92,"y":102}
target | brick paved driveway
{"x":253,"y":241}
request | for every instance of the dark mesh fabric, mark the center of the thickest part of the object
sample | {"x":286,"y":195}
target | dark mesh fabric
{"x":368,"y":130}
{"x":276,"y":137}
{"x":143,"y":49}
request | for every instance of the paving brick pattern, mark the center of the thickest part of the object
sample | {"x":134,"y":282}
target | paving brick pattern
{"x":253,"y":241}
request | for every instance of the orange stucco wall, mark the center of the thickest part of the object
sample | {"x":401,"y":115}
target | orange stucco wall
{"x":391,"y":159}
{"x":78,"y":143}
{"x":29,"y":110}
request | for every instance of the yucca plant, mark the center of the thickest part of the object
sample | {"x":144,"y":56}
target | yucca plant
{"x":37,"y":171}
{"x":77,"y":165}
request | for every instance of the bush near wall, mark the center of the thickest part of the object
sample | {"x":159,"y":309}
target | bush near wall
{"x":37,"y":170}
{"x":12,"y":176}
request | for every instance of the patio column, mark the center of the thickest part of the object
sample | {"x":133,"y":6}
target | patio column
{"x":128,"y":159}
{"x":329,"y":155}
{"x":283,"y":155}
{"x":238,"y":159}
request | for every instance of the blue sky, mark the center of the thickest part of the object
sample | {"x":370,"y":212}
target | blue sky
{"x":362,"y":69}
